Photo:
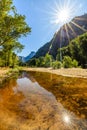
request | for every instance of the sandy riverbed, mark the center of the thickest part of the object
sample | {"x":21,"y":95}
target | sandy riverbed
{"x":71,"y":72}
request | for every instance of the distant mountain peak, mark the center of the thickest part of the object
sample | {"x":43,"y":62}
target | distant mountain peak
{"x":27,"y":58}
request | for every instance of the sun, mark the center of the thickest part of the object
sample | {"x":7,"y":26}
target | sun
{"x":63,"y":12}
{"x":63,"y":15}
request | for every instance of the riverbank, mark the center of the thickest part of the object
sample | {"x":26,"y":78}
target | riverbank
{"x":3,"y":73}
{"x":70,"y":72}
{"x":6,"y":73}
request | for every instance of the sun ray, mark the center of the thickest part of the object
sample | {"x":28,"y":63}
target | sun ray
{"x":72,"y":29}
{"x":78,"y":26}
{"x":67,"y":32}
{"x":61,"y":39}
{"x":57,"y":5}
{"x":81,"y":19}
{"x":60,"y":6}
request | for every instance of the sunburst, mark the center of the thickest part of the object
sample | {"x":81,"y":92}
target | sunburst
{"x":62,"y":14}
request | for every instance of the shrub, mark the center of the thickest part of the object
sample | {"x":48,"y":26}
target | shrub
{"x":47,"y":60}
{"x":75,"y":63}
{"x":56,"y":65}
{"x":67,"y":62}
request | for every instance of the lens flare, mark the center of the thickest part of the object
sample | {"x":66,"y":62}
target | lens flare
{"x":66,"y":119}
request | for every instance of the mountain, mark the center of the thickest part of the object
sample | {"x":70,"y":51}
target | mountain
{"x":66,"y":33}
{"x":27,"y":58}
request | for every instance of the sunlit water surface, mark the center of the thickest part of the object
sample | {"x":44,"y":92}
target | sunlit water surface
{"x":26,"y":105}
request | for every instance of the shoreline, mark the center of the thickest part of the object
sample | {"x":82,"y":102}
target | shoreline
{"x":70,"y":72}
{"x":3,"y":73}
{"x":6,"y":73}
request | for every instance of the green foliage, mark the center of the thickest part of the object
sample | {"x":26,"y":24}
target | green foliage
{"x":1,"y":62}
{"x":12,"y":27}
{"x":32,"y":62}
{"x":67,"y":62}
{"x":62,"y":52}
{"x":41,"y":61}
{"x":75,"y":63}
{"x":56,"y":65}
{"x":77,"y":49}
{"x":48,"y":60}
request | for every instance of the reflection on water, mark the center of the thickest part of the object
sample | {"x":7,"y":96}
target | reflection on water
{"x":26,"y":105}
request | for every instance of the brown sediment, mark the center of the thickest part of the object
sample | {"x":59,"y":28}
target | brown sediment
{"x":69,"y":72}
{"x":3,"y":74}
{"x":71,"y":92}
{"x":6,"y":73}
{"x":3,"y":71}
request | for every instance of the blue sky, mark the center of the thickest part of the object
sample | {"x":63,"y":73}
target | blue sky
{"x":40,"y":16}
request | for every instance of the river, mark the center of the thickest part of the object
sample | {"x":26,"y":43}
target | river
{"x":36,"y":101}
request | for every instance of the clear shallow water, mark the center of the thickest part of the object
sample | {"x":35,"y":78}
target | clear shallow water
{"x":26,"y":104}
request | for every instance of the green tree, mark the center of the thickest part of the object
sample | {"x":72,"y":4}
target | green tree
{"x":48,"y":60}
{"x":12,"y":27}
{"x":75,"y":63}
{"x":40,"y":62}
{"x":63,"y":52}
{"x":67,"y":62}
{"x":77,"y":49}
{"x":56,"y":65}
{"x":32,"y":62}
